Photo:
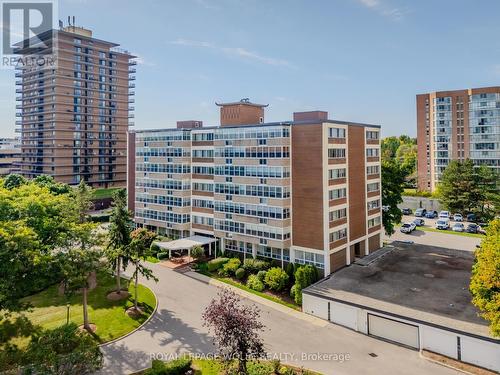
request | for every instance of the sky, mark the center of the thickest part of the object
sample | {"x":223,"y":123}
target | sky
{"x":360,"y":60}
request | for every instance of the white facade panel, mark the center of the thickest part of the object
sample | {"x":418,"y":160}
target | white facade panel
{"x":344,"y":315}
{"x":315,"y":306}
{"x":439,"y":341}
{"x":393,"y":330}
{"x":481,"y":353}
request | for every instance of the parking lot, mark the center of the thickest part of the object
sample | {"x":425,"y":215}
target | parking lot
{"x":445,"y":238}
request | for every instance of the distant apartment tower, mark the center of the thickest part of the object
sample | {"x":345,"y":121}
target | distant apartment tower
{"x":74,"y":116}
{"x":10,"y":155}
{"x":305,"y":191}
{"x":457,"y":125}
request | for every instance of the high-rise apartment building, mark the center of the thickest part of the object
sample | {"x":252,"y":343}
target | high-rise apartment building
{"x":457,"y":125}
{"x":10,"y":154}
{"x":305,"y":191}
{"x":74,"y":114}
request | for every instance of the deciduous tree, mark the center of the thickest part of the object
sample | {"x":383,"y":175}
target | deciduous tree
{"x":392,"y":189}
{"x":485,"y":281}
{"x":236,"y":328}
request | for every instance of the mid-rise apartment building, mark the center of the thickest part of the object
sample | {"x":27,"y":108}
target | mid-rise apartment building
{"x":306,"y":191}
{"x":74,"y":114}
{"x":10,"y":154}
{"x":457,"y":125}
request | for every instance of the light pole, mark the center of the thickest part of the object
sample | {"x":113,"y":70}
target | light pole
{"x":67,"y":313}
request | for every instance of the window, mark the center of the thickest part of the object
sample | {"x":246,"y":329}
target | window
{"x":336,"y":133}
{"x":371,"y":170}
{"x":338,"y":235}
{"x":334,"y":174}
{"x":338,"y":214}
{"x":336,"y":153}
{"x":371,"y":135}
{"x":337,"y":193}
{"x":374,"y":222}
{"x":372,"y":152}
{"x":372,"y":187}
{"x":371,"y":205}
{"x":306,"y":257}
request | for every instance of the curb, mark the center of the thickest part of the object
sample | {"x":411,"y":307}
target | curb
{"x":274,"y":305}
{"x":138,"y":328}
{"x":443,"y":364}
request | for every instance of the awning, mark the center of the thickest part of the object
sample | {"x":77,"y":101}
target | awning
{"x":186,"y":243}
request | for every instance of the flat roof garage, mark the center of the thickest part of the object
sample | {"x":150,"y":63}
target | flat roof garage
{"x":413,"y":295}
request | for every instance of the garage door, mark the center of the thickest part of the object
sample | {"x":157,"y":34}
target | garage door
{"x":392,"y":330}
{"x":344,"y":315}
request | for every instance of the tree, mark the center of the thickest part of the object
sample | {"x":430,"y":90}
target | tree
{"x":54,"y":187}
{"x":83,"y":198}
{"x":119,"y":235}
{"x":304,"y":276}
{"x":64,"y":350}
{"x":137,"y":251}
{"x":392,"y":189}
{"x":13,"y":181}
{"x":485,"y":280}
{"x":236,"y":327}
{"x":78,"y":264}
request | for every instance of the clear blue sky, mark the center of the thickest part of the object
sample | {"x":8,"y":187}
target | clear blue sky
{"x":361,"y":60}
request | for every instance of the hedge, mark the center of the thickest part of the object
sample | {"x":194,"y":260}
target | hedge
{"x":175,"y":367}
{"x":229,"y":268}
{"x":255,"y":265}
{"x":254,"y":283}
{"x":240,"y":273}
{"x":215,"y":264}
{"x":162,"y":255}
{"x":276,"y":279}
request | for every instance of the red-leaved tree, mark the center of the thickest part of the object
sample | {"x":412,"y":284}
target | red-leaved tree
{"x":236,"y":328}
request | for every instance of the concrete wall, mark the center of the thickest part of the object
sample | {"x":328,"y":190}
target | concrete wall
{"x":476,"y":351}
{"x":417,"y":202}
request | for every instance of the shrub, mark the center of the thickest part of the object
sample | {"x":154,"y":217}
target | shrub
{"x":290,"y":271}
{"x":255,"y":265}
{"x":254,"y":283}
{"x":216,"y":263}
{"x":154,"y":248}
{"x":162,"y":255}
{"x":304,"y":276}
{"x":276,"y":279}
{"x":292,"y":291}
{"x":261,"y":275}
{"x":229,"y":268}
{"x":197,"y":252}
{"x":240,"y":273}
{"x":175,"y":367}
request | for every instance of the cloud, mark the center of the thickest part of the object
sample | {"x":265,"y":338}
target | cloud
{"x":239,"y":52}
{"x":384,"y":10}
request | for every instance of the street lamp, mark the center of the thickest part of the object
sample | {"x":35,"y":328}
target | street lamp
{"x":67,"y":313}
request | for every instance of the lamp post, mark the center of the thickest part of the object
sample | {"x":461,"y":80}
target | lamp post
{"x":67,"y":313}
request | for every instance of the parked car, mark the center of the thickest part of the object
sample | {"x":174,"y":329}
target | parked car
{"x":444,"y":215}
{"x":458,"y":227}
{"x":431,"y":214}
{"x":407,"y":227}
{"x":471,"y":217}
{"x":406,"y":211}
{"x":443,"y":224}
{"x":419,"y":222}
{"x":458,"y":217}
{"x":420,"y":212}
{"x":474,"y":228}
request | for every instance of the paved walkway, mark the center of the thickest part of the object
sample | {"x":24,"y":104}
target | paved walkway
{"x":299,"y":339}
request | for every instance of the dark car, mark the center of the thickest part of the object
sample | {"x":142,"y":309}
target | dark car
{"x":419,"y":222}
{"x":406,"y":211}
{"x":473,"y":228}
{"x":431,"y":214}
{"x":471,"y":217}
{"x":420,"y":212}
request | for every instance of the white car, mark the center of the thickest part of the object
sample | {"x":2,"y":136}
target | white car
{"x":458,"y":217}
{"x":408,"y":227}
{"x":443,"y":224}
{"x":444,"y":215}
{"x":458,"y":227}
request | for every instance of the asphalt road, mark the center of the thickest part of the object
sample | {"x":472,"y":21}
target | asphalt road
{"x":298,"y":339}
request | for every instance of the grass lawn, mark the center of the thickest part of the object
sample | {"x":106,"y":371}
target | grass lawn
{"x":241,"y":285}
{"x":465,"y":234}
{"x":104,"y":193}
{"x":109,"y":316}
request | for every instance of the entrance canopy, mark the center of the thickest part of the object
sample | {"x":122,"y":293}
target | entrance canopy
{"x":186,"y":243}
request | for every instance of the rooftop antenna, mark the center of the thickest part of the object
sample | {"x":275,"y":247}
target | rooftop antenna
{"x":74,"y":21}
{"x":61,"y":24}
{"x":69,"y":21}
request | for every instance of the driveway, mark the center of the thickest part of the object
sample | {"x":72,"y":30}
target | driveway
{"x":297,"y":338}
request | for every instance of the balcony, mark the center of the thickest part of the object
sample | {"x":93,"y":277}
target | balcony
{"x":131,"y":85}
{"x":132,"y":70}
